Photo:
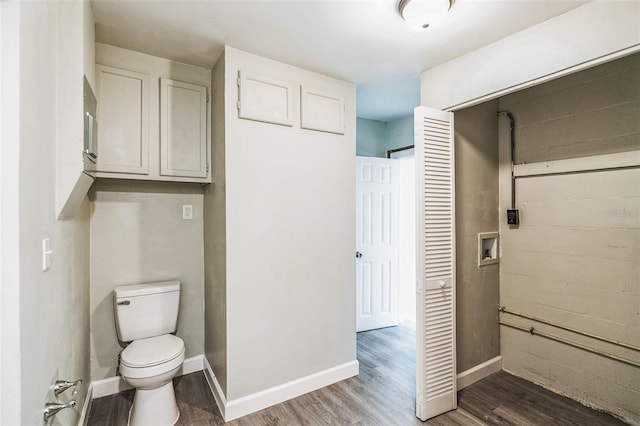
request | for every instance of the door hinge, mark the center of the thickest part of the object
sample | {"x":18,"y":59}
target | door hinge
{"x":238,"y":105}
{"x":207,"y":97}
{"x":207,"y":167}
{"x":238,"y":81}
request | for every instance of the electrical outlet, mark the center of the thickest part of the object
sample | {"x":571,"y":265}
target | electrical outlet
{"x":187,"y":212}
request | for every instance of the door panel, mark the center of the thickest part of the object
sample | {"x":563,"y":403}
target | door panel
{"x":377,"y":198}
{"x":435,"y":263}
{"x":123,"y":121}
{"x":183,"y":129}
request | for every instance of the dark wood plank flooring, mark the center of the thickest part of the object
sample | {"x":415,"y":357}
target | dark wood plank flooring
{"x":382,"y":394}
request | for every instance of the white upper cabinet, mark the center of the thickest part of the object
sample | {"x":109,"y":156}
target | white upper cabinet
{"x":183,"y":129}
{"x":123,"y":121}
{"x":152,"y":118}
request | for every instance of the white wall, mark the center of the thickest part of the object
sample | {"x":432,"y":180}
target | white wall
{"x":138,"y":235}
{"x":10,"y":388}
{"x":407,"y":236}
{"x":290,"y":209}
{"x":46,"y":324}
{"x":586,"y":33}
{"x":289,"y":246}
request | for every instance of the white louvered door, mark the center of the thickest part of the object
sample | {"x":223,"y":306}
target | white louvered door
{"x":435,"y":274}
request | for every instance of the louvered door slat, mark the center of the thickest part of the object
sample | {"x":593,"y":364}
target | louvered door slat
{"x":436,"y":366}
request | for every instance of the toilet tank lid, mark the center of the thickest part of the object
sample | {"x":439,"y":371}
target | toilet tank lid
{"x":146,"y":288}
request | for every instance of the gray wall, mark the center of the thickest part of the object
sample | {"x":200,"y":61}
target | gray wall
{"x":477,"y":293}
{"x":138,"y":235}
{"x":575,"y":258}
{"x":215,"y":237}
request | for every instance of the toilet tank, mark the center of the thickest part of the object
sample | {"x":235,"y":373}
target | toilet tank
{"x":146,"y":310}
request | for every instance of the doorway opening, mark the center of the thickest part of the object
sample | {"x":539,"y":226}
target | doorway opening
{"x":386,"y":270}
{"x":406,"y":235}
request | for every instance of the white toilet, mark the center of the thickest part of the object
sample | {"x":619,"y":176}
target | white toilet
{"x":146,"y":314}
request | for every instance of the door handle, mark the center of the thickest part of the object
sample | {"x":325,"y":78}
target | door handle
{"x":358,"y":255}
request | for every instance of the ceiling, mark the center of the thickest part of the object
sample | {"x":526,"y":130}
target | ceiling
{"x":362,"y":41}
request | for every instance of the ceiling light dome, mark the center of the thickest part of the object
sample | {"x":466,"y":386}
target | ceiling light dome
{"x":423,"y":14}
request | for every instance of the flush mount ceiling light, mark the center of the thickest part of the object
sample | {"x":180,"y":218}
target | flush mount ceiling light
{"x":423,"y":14}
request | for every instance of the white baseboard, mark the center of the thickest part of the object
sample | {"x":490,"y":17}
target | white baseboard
{"x":216,"y":389}
{"x":86,"y":406}
{"x":191,"y":365}
{"x":479,"y":372}
{"x":109,"y":386}
{"x":236,"y":408}
{"x":113,"y":385}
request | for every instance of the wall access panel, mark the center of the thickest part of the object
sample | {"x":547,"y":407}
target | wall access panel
{"x":322,"y":111}
{"x":265,"y":99}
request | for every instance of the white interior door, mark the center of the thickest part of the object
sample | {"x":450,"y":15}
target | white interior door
{"x":377,"y":243}
{"x":435,"y":263}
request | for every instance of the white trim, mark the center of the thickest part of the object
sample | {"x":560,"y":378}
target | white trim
{"x":582,"y":164}
{"x":237,"y":408}
{"x":545,"y":78}
{"x":109,"y":386}
{"x":116,"y":384}
{"x":86,"y":407}
{"x":479,"y":372}
{"x":214,"y":386}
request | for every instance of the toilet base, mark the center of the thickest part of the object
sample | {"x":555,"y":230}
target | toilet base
{"x":154,"y":407}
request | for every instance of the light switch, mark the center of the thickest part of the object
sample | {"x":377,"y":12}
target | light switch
{"x":187,"y":211}
{"x":46,"y":254}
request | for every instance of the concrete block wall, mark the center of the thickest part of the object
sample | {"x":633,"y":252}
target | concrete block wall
{"x":575,"y":258}
{"x":592,"y":112}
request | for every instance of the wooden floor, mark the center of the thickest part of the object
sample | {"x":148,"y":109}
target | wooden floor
{"x":382,"y":394}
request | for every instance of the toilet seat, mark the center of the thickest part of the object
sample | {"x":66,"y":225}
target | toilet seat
{"x":151,"y":356}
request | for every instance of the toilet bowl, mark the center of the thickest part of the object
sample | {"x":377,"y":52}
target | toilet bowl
{"x":149,"y":365}
{"x":146,"y":315}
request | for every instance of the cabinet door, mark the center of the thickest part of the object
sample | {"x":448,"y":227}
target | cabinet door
{"x":183,"y":129}
{"x":123,"y":121}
